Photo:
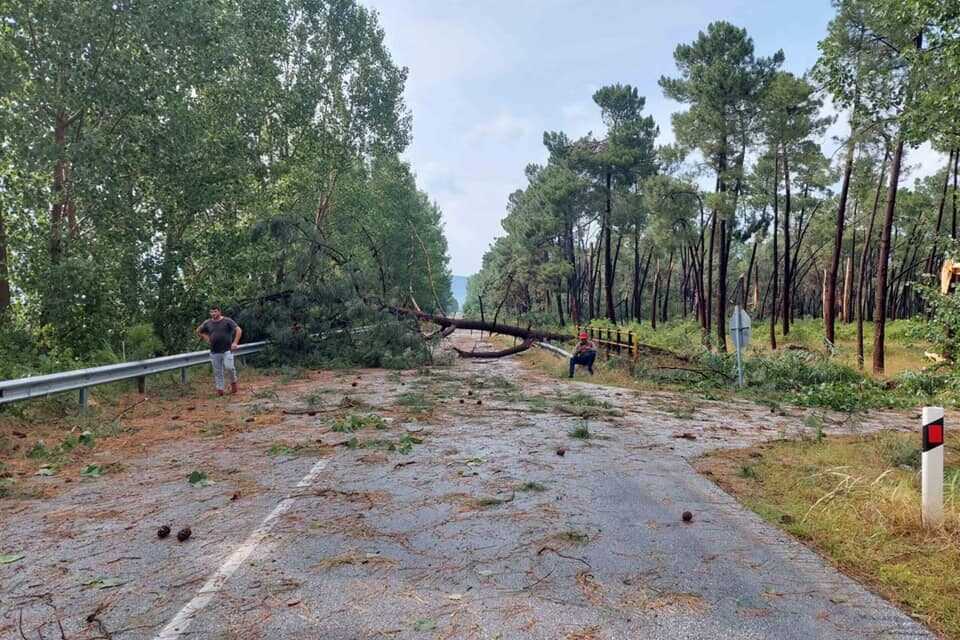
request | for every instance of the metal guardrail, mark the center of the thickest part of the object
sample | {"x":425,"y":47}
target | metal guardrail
{"x":82,"y":379}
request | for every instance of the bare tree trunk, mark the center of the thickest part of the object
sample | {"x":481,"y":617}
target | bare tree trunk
{"x":607,"y":257}
{"x":59,"y":195}
{"x":708,"y":309}
{"x":830,"y":299}
{"x":643,"y":283}
{"x":865,"y":258}
{"x":636,"y":272}
{"x":722,"y":289}
{"x":880,"y":306}
{"x":787,"y":282}
{"x":956,"y":166}
{"x":943,"y":202}
{"x":847,"y":289}
{"x":4,"y":270}
{"x":774,"y":276}
{"x":666,"y":288}
{"x":654,"y":298}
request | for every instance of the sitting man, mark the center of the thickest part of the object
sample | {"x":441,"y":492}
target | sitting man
{"x":584,"y":354}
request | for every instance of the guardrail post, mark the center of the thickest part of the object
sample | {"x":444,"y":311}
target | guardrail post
{"x":618,"y":340}
{"x":931,"y":471}
{"x":183,"y":375}
{"x":630,"y":343}
{"x":141,"y":384}
{"x":83,"y":398}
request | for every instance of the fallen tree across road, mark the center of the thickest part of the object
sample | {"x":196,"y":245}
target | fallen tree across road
{"x":528,"y":334}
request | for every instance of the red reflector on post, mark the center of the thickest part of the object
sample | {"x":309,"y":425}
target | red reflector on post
{"x":935,"y":434}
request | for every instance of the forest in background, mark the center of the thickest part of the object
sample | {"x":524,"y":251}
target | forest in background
{"x":615,"y":227}
{"x":159,"y":157}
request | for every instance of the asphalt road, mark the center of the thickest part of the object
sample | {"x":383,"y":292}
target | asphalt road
{"x":471,"y":526}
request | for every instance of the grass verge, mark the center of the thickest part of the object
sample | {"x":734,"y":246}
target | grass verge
{"x":857,"y":501}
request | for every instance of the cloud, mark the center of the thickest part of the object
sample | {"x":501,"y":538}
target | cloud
{"x":505,"y":127}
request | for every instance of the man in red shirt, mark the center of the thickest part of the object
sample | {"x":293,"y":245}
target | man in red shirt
{"x":584,"y":354}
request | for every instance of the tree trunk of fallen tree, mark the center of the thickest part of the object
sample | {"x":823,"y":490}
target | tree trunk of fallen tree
{"x":523,"y":346}
{"x":528,"y":334}
{"x":479,"y":325}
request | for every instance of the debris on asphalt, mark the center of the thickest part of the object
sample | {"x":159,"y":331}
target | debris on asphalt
{"x":184,"y":534}
{"x":235,"y":496}
{"x":479,"y":402}
{"x":686,"y":435}
{"x":687,"y":516}
{"x":163,"y":532}
{"x":561,"y":452}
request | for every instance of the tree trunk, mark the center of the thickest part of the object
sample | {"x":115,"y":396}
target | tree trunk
{"x":573,"y":286}
{"x":830,"y":297}
{"x":775,"y":277}
{"x":880,"y":306}
{"x":865,"y":258}
{"x":59,"y":204}
{"x":956,"y":166}
{"x":708,"y":309}
{"x":931,"y":261}
{"x":847,"y":289}
{"x":666,"y":288}
{"x":4,"y":271}
{"x":787,"y":282}
{"x":722,"y":289}
{"x":636,"y":272}
{"x":654,"y":298}
{"x":643,"y":283}
{"x":607,"y":257}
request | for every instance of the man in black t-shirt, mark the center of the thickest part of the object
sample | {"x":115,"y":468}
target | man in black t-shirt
{"x":223,"y":336}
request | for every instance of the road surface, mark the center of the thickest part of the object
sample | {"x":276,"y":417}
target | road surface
{"x":455,"y":520}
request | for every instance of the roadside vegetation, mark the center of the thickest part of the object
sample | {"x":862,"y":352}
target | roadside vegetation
{"x":857,"y":501}
{"x":801,"y":373}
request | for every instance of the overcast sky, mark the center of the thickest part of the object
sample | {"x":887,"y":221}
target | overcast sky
{"x":488,"y":77}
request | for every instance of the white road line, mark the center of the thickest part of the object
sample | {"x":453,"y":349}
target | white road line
{"x":176,"y":627}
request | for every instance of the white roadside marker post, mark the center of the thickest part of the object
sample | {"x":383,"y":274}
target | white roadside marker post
{"x":931,"y":473}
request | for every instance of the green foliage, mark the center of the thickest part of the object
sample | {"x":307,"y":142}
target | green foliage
{"x":254,"y":161}
{"x":354,"y":422}
{"x":898,"y":452}
{"x":142,"y":342}
{"x":199,"y":479}
{"x":581,"y":431}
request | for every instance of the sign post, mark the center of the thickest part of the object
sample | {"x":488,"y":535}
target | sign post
{"x":931,"y":467}
{"x":740,"y":334}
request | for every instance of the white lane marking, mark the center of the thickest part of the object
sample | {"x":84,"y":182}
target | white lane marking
{"x":176,"y":627}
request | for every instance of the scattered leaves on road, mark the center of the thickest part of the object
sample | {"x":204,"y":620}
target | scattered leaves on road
{"x":199,"y":479}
